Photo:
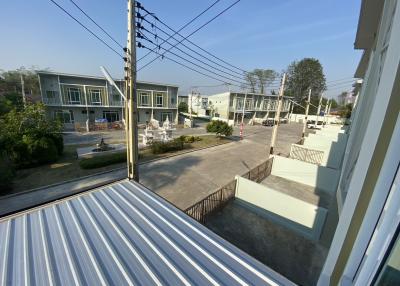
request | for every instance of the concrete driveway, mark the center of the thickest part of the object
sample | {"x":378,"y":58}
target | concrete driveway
{"x":186,"y":179}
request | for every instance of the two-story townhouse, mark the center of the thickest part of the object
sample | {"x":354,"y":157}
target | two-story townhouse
{"x":82,"y":100}
{"x":229,"y":105}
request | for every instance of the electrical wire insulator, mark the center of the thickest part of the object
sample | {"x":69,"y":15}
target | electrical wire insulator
{"x":125,"y":59}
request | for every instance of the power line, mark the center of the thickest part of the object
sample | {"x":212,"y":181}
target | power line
{"x":341,"y":79}
{"x":193,"y":63}
{"x":179,"y":63}
{"x":189,"y":48}
{"x":86,"y":28}
{"x":182,"y":51}
{"x":115,"y":41}
{"x":185,"y":38}
{"x":184,"y":26}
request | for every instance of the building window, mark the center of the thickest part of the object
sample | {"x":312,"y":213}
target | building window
{"x":95,"y":96}
{"x":165,"y":115}
{"x":74,"y":95}
{"x":111,"y":116}
{"x":204,"y":102}
{"x":159,"y":99}
{"x":65,"y":116}
{"x":50,"y":97}
{"x":144,"y":99}
{"x":172,"y":100}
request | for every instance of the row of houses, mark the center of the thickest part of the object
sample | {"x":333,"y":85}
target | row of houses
{"x":231,"y":105}
{"x":82,"y":101}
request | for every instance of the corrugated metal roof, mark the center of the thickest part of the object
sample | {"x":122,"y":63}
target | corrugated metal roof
{"x":121,"y":234}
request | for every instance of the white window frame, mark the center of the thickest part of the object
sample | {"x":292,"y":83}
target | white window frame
{"x":142,"y":95}
{"x":159,"y":95}
{"x":111,"y":112}
{"x":75,"y":91}
{"x":169,"y":114}
{"x":93,"y":93}
{"x":63,"y":112}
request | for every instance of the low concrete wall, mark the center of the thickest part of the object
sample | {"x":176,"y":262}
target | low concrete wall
{"x":333,"y":148}
{"x":323,"y":178}
{"x":286,"y":210}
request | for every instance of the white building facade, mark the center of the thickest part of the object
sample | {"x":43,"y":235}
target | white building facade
{"x":77,"y":99}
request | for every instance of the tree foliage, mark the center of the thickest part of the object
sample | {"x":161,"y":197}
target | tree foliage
{"x":259,"y":79}
{"x":219,"y":128}
{"x":183,"y":107}
{"x":303,"y":75}
{"x":29,"y":138}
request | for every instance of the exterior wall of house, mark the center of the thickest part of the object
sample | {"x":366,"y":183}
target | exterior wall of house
{"x":371,"y":158}
{"x":229,"y":105}
{"x":97,"y":96}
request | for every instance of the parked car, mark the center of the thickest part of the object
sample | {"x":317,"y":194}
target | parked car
{"x":268,"y":122}
{"x":311,"y":124}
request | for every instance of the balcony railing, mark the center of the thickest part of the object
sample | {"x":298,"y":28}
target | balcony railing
{"x":217,"y":200}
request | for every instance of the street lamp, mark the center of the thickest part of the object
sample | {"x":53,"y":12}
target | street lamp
{"x":112,"y":83}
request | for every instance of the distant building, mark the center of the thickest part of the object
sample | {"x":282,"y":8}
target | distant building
{"x":229,"y":105}
{"x":78,"y":99}
{"x":183,"y":98}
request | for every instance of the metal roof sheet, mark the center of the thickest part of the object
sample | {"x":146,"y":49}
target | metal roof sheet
{"x":120,"y":234}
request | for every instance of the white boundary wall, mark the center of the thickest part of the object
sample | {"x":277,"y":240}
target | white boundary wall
{"x":303,"y":217}
{"x":323,"y":178}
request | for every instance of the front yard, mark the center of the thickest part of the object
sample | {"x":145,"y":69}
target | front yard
{"x":68,"y":166}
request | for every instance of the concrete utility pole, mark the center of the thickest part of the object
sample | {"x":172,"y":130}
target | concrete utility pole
{"x":277,"y":116}
{"x":23,"y":90}
{"x":131,"y":104}
{"x":326,"y":110}
{"x":244,"y":109}
{"x":306,"y":116}
{"x":329,"y":108}
{"x":319,"y":109}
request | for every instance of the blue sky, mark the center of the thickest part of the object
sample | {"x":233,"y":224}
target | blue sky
{"x":253,"y":34}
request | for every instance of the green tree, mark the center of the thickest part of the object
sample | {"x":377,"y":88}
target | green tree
{"x":303,"y":75}
{"x":264,"y":78}
{"x":183,"y":107}
{"x":29,"y":138}
{"x":259,"y":79}
{"x":251,"y":81}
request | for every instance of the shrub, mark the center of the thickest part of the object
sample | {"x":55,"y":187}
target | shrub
{"x":219,"y":128}
{"x":190,"y":139}
{"x":102,"y":161}
{"x":158,"y":147}
{"x":29,"y":137}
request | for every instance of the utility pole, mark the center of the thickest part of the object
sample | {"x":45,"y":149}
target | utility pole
{"x":190,"y":108}
{"x":325,"y":111}
{"x":319,"y":110}
{"x":244,"y":108}
{"x":277,"y":116}
{"x":23,"y":89}
{"x":306,"y":116}
{"x":131,"y":104}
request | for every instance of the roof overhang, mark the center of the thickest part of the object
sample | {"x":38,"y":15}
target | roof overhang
{"x":363,"y":64}
{"x":368,"y":22}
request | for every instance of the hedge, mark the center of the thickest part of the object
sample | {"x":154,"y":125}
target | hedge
{"x":102,"y":161}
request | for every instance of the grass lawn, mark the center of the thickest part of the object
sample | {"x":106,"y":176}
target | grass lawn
{"x":67,"y":167}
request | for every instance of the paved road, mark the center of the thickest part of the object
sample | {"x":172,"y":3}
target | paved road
{"x":188,"y":178}
{"x":183,"y":179}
